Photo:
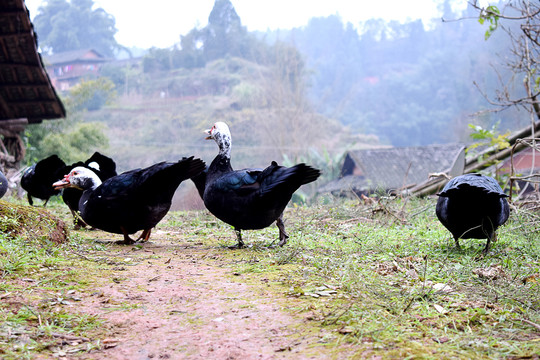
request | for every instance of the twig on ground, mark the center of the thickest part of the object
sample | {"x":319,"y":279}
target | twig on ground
{"x":69,"y":337}
{"x":534,"y":325}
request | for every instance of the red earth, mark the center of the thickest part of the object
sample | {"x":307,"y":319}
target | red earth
{"x":171,"y":300}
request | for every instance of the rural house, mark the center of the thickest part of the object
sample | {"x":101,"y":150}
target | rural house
{"x":392,"y":170}
{"x":526,"y":164}
{"x":68,"y":68}
{"x":26,"y":93}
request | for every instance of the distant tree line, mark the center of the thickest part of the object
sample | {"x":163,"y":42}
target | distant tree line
{"x":64,"y":25}
{"x":224,"y":36}
{"x":403,"y":82}
{"x":407,"y":84}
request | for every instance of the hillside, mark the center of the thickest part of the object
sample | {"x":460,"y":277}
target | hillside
{"x":165,"y":117}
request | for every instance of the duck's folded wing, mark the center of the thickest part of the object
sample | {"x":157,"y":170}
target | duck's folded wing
{"x":157,"y":181}
{"x":240,"y":181}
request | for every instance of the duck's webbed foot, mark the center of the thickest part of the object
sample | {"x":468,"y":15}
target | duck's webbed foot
{"x":127,"y":240}
{"x":458,"y":247}
{"x":491,"y":237}
{"x":283,"y":236}
{"x":240,"y":243}
{"x":145,"y":235}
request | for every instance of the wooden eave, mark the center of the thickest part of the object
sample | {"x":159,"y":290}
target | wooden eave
{"x":26,"y":91}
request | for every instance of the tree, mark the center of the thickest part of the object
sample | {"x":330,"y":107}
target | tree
{"x":520,"y":20}
{"x":224,"y":35}
{"x":75,"y":144}
{"x":157,"y":60}
{"x":71,"y":138}
{"x":91,"y":94}
{"x":64,"y":25}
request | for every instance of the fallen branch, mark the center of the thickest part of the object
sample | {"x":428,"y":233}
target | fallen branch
{"x":359,"y":219}
{"x":69,"y":337}
{"x":488,"y":157}
{"x":534,"y":325}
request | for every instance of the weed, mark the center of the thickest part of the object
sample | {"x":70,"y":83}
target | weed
{"x":403,"y":290}
{"x":383,"y":278}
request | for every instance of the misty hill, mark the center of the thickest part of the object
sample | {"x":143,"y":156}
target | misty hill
{"x":163,"y":118}
{"x":404,"y":83}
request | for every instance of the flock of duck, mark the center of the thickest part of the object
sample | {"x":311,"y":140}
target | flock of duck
{"x":469,"y":206}
{"x":138,"y":199}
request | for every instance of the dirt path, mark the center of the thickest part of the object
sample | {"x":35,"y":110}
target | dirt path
{"x":182,"y":301}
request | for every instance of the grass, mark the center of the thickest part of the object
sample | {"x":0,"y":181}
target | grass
{"x":39,"y":282}
{"x":389,"y":280}
{"x":383,"y":279}
{"x":398,"y":269}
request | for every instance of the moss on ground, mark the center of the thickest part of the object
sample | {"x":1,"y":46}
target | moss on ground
{"x":31,"y":222}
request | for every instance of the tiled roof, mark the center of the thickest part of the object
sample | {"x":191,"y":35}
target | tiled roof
{"x":393,"y":168}
{"x":68,"y":57}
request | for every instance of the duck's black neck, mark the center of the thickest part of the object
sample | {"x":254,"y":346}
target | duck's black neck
{"x":90,"y":183}
{"x":220,"y":164}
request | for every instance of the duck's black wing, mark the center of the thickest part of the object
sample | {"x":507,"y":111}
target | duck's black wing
{"x":155,"y":183}
{"x":3,"y":184}
{"x":267,"y":182}
{"x":473,"y":182}
{"x":38,"y":179}
{"x":107,"y":166}
{"x":137,"y":199}
{"x":26,"y":179}
{"x":50,"y":165}
{"x":242,"y":182}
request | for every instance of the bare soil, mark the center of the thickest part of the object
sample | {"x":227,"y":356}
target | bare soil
{"x":174,"y":300}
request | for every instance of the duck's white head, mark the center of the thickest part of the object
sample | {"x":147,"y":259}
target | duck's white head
{"x":80,"y":178}
{"x":221,"y":134}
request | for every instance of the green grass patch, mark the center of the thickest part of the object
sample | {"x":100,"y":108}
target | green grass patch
{"x":387,"y":279}
{"x":40,"y":280}
{"x":382,"y":279}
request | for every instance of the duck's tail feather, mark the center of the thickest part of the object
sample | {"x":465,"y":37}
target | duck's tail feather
{"x":279,"y":178}
{"x":167,"y":176}
{"x":194,"y":167}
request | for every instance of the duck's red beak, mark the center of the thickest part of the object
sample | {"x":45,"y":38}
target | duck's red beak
{"x":60,"y":184}
{"x":209,"y":133}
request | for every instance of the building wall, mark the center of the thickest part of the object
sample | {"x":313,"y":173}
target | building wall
{"x":523,"y":161}
{"x":68,"y":73}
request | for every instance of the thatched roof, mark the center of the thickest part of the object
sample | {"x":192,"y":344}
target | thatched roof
{"x":25,"y":88}
{"x":367,"y":171}
{"x":75,"y":56}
